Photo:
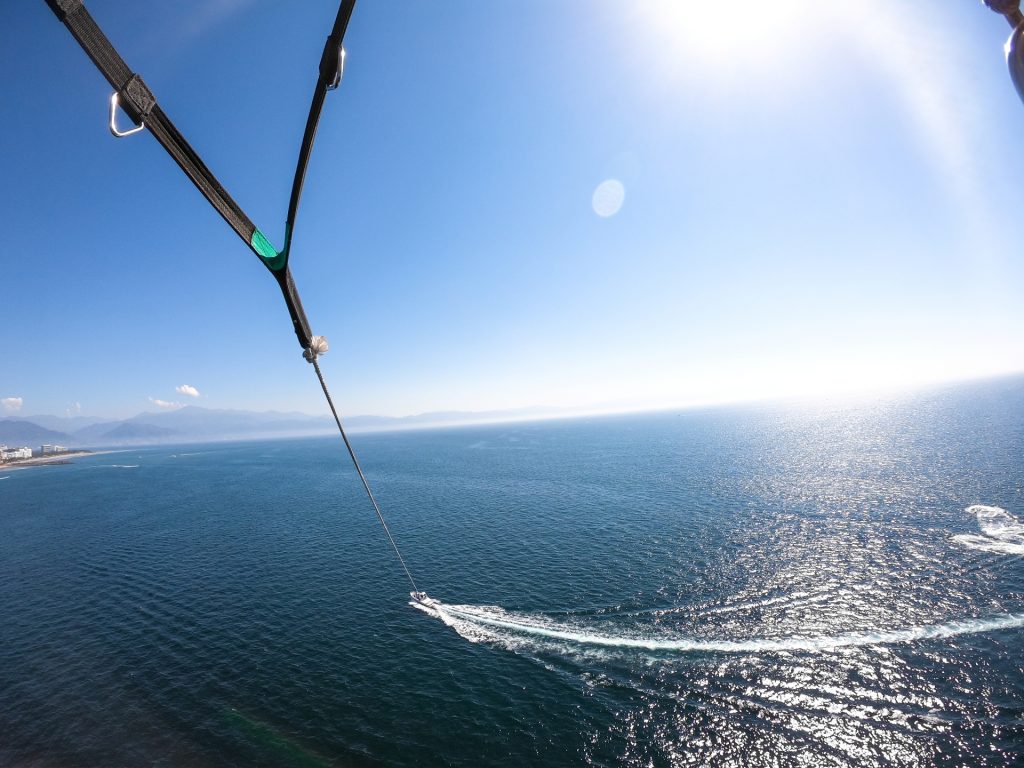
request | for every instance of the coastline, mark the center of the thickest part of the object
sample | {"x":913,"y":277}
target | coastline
{"x":58,"y":458}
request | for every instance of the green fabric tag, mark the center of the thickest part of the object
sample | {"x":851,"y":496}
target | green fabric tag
{"x":266,"y":251}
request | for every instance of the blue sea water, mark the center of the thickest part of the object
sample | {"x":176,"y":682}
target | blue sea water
{"x":836,"y":584}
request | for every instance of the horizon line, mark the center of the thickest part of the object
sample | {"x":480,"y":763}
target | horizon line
{"x":523,"y":414}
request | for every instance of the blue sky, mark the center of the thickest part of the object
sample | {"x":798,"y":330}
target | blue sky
{"x":813,"y":199}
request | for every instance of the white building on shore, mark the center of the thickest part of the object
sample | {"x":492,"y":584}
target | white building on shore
{"x":50,"y":450}
{"x":12,"y":454}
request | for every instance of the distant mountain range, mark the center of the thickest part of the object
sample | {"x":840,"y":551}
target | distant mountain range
{"x":15,"y":432}
{"x":195,"y":424}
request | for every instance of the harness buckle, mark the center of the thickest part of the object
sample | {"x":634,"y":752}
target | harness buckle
{"x":113,"y":120}
{"x":332,"y":64}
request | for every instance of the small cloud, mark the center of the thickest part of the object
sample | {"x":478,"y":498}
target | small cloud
{"x":73,"y":410}
{"x":12,"y":404}
{"x":187,"y":389}
{"x":166,"y":405}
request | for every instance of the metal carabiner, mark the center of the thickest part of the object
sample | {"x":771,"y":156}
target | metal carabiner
{"x":113,"y":120}
{"x":340,"y":71}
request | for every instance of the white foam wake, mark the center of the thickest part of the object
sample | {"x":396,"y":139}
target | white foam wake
{"x":1000,"y":531}
{"x":478,"y":623}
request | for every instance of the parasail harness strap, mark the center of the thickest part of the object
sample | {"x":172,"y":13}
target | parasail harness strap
{"x":139,"y":103}
{"x":332,"y":67}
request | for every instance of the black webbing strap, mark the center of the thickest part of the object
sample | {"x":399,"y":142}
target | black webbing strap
{"x":141,"y":106}
{"x":330,"y":70}
{"x":295,"y":310}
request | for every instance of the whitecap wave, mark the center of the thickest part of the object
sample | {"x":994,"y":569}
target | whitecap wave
{"x":488,"y":623}
{"x":1001,"y":532}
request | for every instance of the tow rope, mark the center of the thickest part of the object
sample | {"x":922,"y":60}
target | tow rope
{"x":366,"y":485}
{"x":136,"y":99}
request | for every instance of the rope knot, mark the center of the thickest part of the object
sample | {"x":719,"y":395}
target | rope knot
{"x":317,"y":346}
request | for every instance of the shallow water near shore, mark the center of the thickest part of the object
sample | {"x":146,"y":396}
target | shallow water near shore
{"x":828,"y":585}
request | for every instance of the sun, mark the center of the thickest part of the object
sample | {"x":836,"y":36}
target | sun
{"x":726,"y":36}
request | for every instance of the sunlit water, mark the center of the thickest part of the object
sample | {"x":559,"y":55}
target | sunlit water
{"x":838,"y":585}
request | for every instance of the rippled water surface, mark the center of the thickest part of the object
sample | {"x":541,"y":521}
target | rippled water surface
{"x":837,"y":585}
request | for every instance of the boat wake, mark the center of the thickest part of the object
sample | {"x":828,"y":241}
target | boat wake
{"x":1000,"y":531}
{"x":491,"y":624}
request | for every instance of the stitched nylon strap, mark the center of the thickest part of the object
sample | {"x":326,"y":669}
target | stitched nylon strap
{"x":330,"y":67}
{"x":141,"y":106}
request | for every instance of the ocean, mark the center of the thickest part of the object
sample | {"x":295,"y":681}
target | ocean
{"x":830,"y":584}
